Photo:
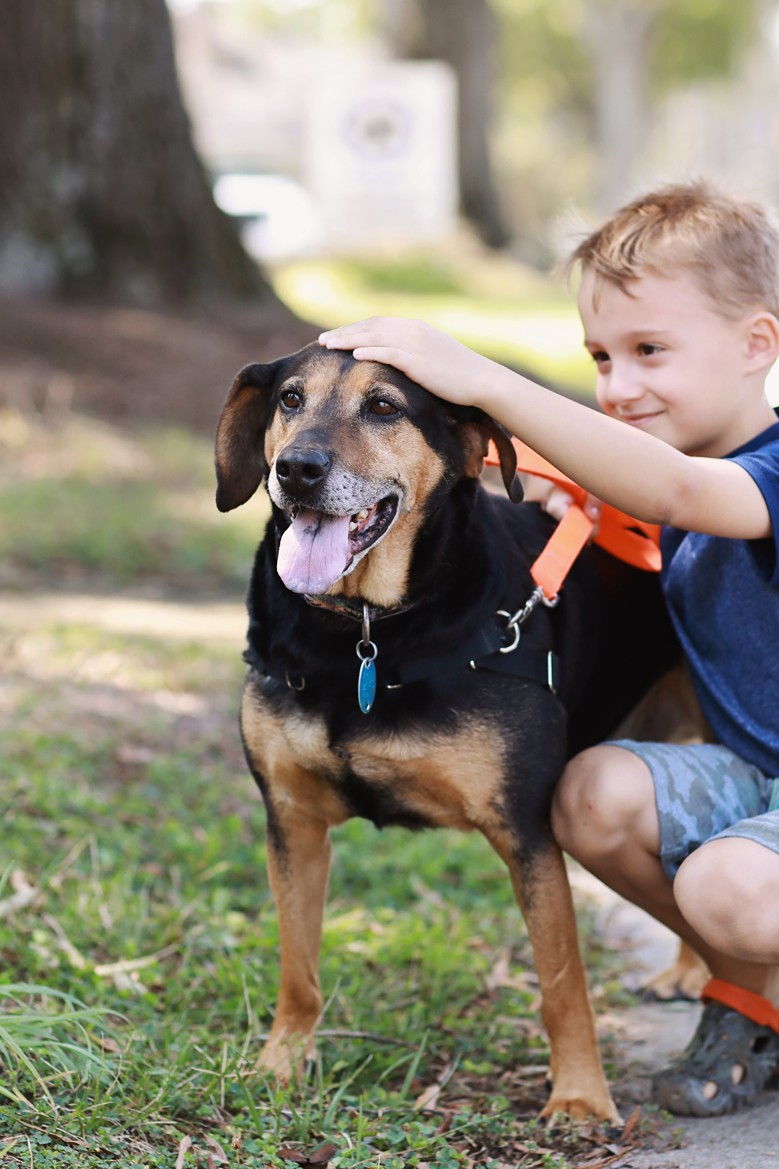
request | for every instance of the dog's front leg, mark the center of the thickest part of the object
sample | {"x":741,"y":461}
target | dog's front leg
{"x":298,"y":868}
{"x":540,"y":882}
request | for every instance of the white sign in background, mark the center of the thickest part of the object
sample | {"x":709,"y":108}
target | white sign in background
{"x":380,"y":155}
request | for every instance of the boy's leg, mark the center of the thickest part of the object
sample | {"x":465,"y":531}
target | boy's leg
{"x":605,"y":814}
{"x":728,"y":891}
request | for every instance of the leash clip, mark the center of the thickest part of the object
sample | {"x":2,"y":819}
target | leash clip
{"x":512,"y":624}
{"x":515,"y":620}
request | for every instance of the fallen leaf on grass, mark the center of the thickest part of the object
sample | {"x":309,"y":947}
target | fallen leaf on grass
{"x":318,"y":1156}
{"x":215,"y":1154}
{"x":109,"y":1044}
{"x":323,"y":1154}
{"x":218,"y":1156}
{"x":427,"y":1101}
{"x":24,"y":893}
{"x":603,"y":1163}
{"x":631,"y":1124}
{"x":130,"y":965}
{"x":184,"y":1147}
{"x":74,"y":956}
{"x":124,"y":973}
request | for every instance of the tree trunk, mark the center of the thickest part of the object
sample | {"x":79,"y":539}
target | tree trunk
{"x":101,"y":191}
{"x":462,"y":33}
{"x":619,"y":33}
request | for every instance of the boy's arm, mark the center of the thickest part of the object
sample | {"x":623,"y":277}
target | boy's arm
{"x":627,"y":468}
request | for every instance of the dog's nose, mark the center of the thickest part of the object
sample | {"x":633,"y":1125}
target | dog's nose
{"x":300,"y":471}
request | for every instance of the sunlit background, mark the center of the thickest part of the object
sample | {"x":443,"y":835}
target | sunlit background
{"x":341,"y":134}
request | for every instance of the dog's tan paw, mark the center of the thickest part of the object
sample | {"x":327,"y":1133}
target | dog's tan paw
{"x":587,"y":1105}
{"x":684,"y":979}
{"x":582,"y":1111}
{"x":286,"y":1056}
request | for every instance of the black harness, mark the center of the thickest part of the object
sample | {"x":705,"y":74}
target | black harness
{"x":496,"y":646}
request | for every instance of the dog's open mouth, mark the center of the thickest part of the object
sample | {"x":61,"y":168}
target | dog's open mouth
{"x":318,"y":549}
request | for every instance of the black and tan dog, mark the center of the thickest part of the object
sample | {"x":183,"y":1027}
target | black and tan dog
{"x":387,"y":679}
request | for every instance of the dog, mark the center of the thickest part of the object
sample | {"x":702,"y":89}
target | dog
{"x":401,"y":671}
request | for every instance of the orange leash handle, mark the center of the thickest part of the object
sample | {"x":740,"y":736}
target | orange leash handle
{"x":628,"y":539}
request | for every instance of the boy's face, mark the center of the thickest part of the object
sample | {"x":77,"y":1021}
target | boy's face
{"x":668,"y":363}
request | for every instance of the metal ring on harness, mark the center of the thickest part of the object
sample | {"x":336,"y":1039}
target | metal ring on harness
{"x":513,"y":624}
{"x":369,"y":653}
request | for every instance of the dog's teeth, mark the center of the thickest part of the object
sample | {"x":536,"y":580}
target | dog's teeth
{"x":357,"y":519}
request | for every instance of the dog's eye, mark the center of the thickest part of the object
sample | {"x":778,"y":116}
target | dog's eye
{"x":291,"y":400}
{"x":383,"y":407}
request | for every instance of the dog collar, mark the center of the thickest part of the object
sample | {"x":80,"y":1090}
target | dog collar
{"x":496,"y":646}
{"x":356,"y":609}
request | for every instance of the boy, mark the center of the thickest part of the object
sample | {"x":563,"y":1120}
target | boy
{"x":679,"y":299}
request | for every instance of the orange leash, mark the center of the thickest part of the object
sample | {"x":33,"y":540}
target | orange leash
{"x":628,"y":539}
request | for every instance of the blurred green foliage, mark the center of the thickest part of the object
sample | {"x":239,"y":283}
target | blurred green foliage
{"x":83,"y":500}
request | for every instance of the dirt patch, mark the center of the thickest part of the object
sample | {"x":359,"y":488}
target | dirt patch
{"x":131,"y":365}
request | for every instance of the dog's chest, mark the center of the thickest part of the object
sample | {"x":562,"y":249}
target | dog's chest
{"x":407,"y":777}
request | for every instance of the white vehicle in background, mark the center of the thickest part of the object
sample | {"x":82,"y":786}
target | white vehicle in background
{"x":277,"y":216}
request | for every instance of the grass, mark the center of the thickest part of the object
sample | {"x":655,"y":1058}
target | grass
{"x":138,"y":940}
{"x":91,"y":504}
{"x":48,"y":1036}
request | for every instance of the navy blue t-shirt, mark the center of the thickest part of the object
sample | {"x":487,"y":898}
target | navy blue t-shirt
{"x":723,"y":597}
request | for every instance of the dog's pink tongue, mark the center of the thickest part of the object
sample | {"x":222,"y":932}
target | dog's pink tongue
{"x":314,"y":552}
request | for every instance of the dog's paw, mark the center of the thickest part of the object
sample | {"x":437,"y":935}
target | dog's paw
{"x":286,"y":1056}
{"x":586,"y":1105}
{"x":684,"y":979}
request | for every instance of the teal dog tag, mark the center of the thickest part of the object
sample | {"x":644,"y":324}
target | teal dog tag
{"x":366,"y":685}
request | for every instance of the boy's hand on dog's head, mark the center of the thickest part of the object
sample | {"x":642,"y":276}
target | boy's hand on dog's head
{"x":427,"y":356}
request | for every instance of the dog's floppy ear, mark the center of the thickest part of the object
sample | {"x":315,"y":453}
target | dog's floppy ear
{"x":240,"y":435}
{"x":475,"y":429}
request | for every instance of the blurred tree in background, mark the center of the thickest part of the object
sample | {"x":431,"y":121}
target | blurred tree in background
{"x":569,"y":100}
{"x":102,"y":193}
{"x":465,"y":34}
{"x":579,"y":81}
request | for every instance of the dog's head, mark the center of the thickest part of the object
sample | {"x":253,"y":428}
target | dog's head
{"x":354,"y":453}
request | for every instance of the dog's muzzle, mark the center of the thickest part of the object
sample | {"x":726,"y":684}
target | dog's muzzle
{"x":335,"y":517}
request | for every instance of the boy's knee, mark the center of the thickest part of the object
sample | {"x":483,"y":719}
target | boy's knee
{"x":581,"y":801}
{"x":569,"y":797}
{"x":728,"y":890}
{"x":597,"y":801}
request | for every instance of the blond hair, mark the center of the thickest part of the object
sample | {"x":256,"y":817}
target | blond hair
{"x":729,"y":247}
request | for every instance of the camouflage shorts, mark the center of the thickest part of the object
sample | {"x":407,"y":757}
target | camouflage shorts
{"x":703,"y":791}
